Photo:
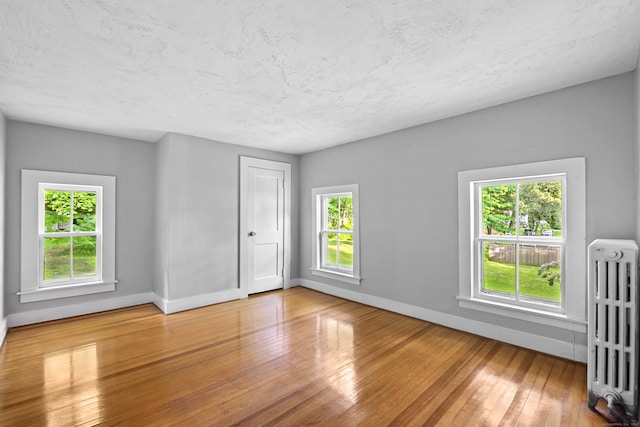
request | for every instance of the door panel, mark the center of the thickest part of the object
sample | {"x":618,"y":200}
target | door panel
{"x":267,"y":197}
{"x":266,"y":261}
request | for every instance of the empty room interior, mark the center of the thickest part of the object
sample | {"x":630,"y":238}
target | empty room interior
{"x":328,"y":213}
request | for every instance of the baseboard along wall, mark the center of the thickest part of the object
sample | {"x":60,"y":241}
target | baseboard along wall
{"x":3,"y":331}
{"x":182,"y":304}
{"x":543,"y":344}
{"x":522,"y":339}
{"x":61,"y":312}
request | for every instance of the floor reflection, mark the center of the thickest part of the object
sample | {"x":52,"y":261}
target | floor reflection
{"x":72,"y":375}
{"x":336,"y":354}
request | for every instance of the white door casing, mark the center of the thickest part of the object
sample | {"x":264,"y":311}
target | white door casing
{"x":264,"y":224}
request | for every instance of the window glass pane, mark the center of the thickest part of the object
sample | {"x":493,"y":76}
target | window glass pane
{"x":333,"y":214}
{"x":539,"y":273}
{"x":346,"y":213}
{"x":499,"y":268}
{"x":84,"y":256}
{"x":346,"y":251}
{"x":498,"y":209}
{"x":56,"y":211}
{"x":57,"y":258}
{"x":84,"y":211}
{"x":331,"y":246}
{"x":540,"y":206}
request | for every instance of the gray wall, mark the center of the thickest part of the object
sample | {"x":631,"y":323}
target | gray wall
{"x":636,"y":93}
{"x":31,"y":146}
{"x":408,"y":187}
{"x":178,"y":202}
{"x":198,"y":205}
{"x":3,"y":144}
{"x":161,"y":189}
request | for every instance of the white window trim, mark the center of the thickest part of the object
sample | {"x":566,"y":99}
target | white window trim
{"x":31,"y":288}
{"x":316,"y":261}
{"x":575,"y":293}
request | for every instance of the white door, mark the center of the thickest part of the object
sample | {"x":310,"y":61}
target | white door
{"x":262,"y":225}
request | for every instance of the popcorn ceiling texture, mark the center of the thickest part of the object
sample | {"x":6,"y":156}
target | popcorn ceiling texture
{"x":296,"y":75}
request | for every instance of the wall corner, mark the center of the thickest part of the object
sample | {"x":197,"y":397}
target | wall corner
{"x":3,"y":148}
{"x":636,"y":118}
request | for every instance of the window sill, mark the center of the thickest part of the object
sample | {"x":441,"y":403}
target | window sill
{"x":523,"y":313}
{"x":43,"y":294}
{"x":354,"y":280}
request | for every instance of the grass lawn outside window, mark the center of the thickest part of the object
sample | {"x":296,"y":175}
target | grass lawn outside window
{"x":500,"y":277}
{"x":346,"y":251}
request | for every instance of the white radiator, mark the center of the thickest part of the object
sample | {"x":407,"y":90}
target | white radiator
{"x":612,"y":362}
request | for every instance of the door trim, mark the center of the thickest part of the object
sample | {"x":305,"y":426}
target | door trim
{"x":245,"y":164}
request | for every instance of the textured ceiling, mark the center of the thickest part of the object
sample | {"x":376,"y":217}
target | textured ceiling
{"x":296,"y":75}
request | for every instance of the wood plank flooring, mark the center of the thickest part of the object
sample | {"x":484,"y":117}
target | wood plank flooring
{"x":292,"y":357}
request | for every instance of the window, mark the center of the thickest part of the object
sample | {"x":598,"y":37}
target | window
{"x":518,"y":244}
{"x":336,"y":233}
{"x":68,"y":235}
{"x":522,"y":241}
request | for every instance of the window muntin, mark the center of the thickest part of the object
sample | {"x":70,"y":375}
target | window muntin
{"x":519,"y":244}
{"x":69,"y":234}
{"x":335,"y":251}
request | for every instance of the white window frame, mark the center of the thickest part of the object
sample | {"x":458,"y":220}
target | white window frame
{"x":42,"y":234}
{"x":319,"y":268}
{"x":480,"y":238}
{"x":32,"y":285}
{"x":572,"y":313}
{"x":325,"y":231}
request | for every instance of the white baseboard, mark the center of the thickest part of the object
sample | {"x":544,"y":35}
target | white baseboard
{"x":159,"y":302}
{"x":182,"y":304}
{"x":535,"y":342}
{"x":54,"y":313}
{"x":166,"y":306}
{"x":522,"y":339}
{"x":292,"y":283}
{"x":3,"y":331}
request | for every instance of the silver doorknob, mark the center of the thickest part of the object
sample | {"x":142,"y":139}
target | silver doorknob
{"x":252,"y":233}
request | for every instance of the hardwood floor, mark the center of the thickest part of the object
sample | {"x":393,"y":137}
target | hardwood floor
{"x":292,"y":357}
